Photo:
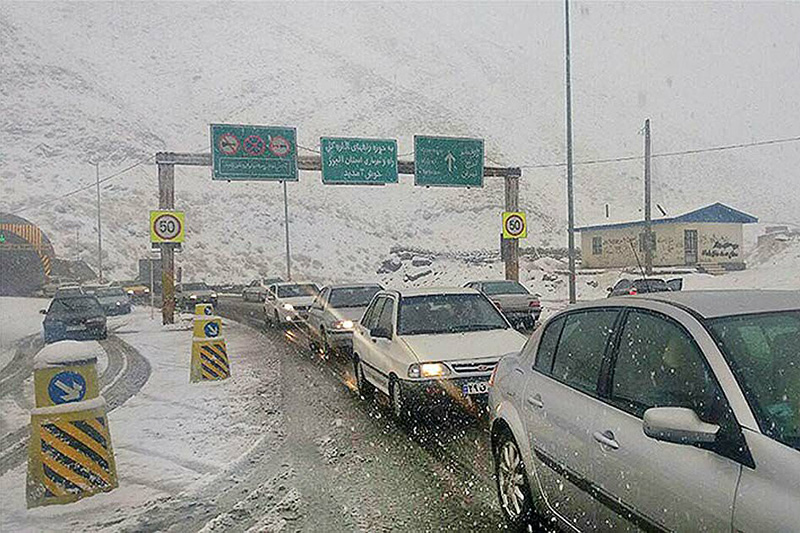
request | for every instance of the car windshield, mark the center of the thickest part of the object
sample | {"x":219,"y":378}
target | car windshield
{"x":352,"y":296}
{"x":650,"y":285}
{"x":764,"y":353}
{"x":195,"y":287}
{"x":298,"y":290}
{"x":73,"y":305}
{"x":504,"y":287}
{"x":107,"y":293}
{"x":447,"y":313}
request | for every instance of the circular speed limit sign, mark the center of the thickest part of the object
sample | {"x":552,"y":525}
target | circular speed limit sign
{"x":514,"y":225}
{"x":166,"y":226}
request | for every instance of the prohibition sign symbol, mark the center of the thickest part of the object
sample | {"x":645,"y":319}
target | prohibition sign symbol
{"x":255,"y":145}
{"x":167,"y":227}
{"x":228,"y":144}
{"x":515,"y":226}
{"x":279,"y":146}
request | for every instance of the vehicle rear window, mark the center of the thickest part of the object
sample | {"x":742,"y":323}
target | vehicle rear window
{"x":650,"y":285}
{"x":581,"y":347}
{"x":353,"y":296}
{"x":763,"y":352}
{"x":504,"y":287}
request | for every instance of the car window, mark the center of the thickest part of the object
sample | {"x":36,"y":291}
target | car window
{"x":386,"y":318}
{"x":298,"y":290}
{"x":370,"y":317}
{"x":504,"y":287}
{"x":581,"y":347}
{"x":763,"y":353}
{"x":658,"y":364}
{"x":547,"y":346}
{"x":345,"y":297}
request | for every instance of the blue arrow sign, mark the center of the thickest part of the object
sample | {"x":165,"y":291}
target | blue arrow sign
{"x":66,"y":387}
{"x":211,"y":329}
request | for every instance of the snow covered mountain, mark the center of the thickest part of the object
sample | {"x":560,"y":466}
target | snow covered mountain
{"x":115,"y":82}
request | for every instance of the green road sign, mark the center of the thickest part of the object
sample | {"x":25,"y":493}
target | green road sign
{"x":358,"y":161}
{"x":448,"y":161}
{"x":261,"y":153}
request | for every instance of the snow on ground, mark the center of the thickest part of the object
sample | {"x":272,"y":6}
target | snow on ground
{"x":170,"y":437}
{"x":19,"y":317}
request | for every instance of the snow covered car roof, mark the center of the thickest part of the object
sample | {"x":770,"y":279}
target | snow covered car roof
{"x":427,"y":291}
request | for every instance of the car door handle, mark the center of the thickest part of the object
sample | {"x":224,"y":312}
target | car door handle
{"x":606,"y":438}
{"x":536,"y":401}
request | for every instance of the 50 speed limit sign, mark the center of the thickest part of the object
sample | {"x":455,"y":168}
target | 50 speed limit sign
{"x":167,"y":226}
{"x":515,"y":225}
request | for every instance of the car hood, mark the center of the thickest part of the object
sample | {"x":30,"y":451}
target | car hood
{"x":491,"y":344}
{"x":304,"y":301}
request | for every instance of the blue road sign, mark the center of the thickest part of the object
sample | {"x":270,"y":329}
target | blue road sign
{"x":67,"y":387}
{"x":207,"y":310}
{"x":211,"y":329}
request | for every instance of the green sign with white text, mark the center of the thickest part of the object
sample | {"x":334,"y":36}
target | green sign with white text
{"x":355,"y":161}
{"x":259,"y":153}
{"x":448,"y":161}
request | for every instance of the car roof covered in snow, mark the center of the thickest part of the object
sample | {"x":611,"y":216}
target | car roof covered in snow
{"x":719,"y":303}
{"x":352,"y":286}
{"x":428,"y":291}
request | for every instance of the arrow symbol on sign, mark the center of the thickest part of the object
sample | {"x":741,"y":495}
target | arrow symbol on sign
{"x":72,"y":393}
{"x":450,"y":158}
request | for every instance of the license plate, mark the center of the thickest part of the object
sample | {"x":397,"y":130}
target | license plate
{"x":476,"y":387}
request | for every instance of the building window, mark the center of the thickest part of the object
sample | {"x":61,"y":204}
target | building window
{"x":597,"y":245}
{"x":642,"y":241}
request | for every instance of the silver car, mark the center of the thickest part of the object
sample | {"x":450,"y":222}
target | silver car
{"x":334,"y":313}
{"x":672,"y":411}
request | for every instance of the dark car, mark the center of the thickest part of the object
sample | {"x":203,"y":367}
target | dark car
{"x":187,"y":295}
{"x":74,"y":317}
{"x":626,"y":287}
{"x":114,"y":300}
{"x":519,"y":306}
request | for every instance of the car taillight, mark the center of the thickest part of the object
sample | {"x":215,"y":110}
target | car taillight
{"x":633,"y":291}
{"x":534,"y":303}
{"x":494,"y":372}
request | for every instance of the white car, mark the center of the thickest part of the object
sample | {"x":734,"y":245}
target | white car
{"x":256,"y":290}
{"x":421,"y":344}
{"x":334,"y":313}
{"x":288,"y":302}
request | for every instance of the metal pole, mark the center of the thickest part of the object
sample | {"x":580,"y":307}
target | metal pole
{"x":166,"y":200}
{"x":99,"y":227}
{"x":512,"y":248}
{"x":286,"y":226}
{"x":570,"y":191}
{"x":152,"y":290}
{"x":648,"y":223}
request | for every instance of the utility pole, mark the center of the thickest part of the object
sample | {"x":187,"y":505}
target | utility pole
{"x":648,"y":222}
{"x":512,"y":245}
{"x":570,"y":189}
{"x":286,"y":226}
{"x":99,"y":227}
{"x":166,"y":201}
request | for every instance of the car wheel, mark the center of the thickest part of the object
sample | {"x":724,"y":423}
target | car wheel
{"x":401,"y":403}
{"x":512,"y":484}
{"x":365,"y":388}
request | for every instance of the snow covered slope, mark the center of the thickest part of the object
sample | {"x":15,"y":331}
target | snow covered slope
{"x":116,"y":82}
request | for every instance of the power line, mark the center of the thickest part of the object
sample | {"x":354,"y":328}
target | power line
{"x":669,"y":154}
{"x":86,"y":187}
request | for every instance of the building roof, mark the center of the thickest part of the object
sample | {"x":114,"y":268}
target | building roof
{"x":719,"y":213}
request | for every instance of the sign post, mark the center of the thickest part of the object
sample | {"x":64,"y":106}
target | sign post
{"x":257,"y":153}
{"x":448,"y":161}
{"x":354,"y":161}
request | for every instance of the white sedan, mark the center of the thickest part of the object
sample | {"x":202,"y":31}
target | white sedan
{"x":288,"y":302}
{"x":418,"y":344}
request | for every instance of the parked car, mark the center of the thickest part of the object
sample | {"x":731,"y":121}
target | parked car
{"x":114,"y":300}
{"x":256,"y":290}
{"x":75,"y":317}
{"x":68,"y":290}
{"x":288,"y":302}
{"x":187,"y":295}
{"x":670,"y":411}
{"x":626,"y":287}
{"x":334,"y":313}
{"x":517,"y":304}
{"x":421,"y":344}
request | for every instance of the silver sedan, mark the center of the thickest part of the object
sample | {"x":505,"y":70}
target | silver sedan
{"x":673,"y":411}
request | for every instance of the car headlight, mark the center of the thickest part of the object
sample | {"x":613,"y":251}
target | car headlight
{"x":193,"y":297}
{"x":118,"y":303}
{"x":213,"y":294}
{"x":343,"y":324}
{"x":130,"y":293}
{"x":428,"y":370}
{"x":146,"y":291}
{"x":288,"y":307}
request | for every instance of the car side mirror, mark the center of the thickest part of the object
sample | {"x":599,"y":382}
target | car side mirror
{"x":42,"y":311}
{"x":678,"y":425}
{"x":609,"y":289}
{"x":379,"y":332}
